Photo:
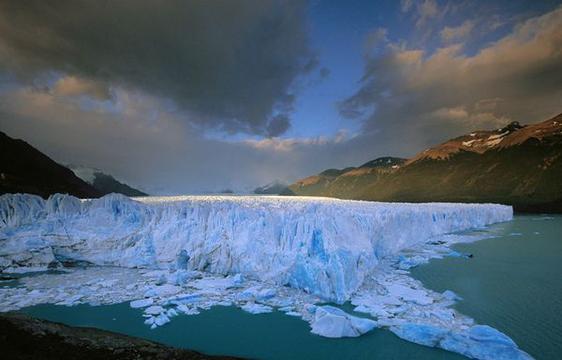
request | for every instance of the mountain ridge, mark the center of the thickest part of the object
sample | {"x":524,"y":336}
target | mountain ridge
{"x":518,"y":165}
{"x":24,"y":169}
{"x":103,"y":182}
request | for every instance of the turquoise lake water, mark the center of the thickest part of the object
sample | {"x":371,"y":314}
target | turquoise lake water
{"x":513,"y":283}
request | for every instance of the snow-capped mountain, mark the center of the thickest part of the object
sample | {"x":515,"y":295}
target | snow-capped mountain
{"x":103,"y":182}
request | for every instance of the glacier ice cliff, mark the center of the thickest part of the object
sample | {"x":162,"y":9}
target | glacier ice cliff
{"x":180,"y":255}
{"x":323,"y":246}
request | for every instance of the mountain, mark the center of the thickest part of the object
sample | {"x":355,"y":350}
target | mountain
{"x":383,"y":162}
{"x":516,"y":165}
{"x":274,"y":188}
{"x":24,"y":169}
{"x":345,"y":183}
{"x":104,"y":183}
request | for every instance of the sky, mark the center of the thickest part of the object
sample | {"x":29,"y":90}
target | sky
{"x":183,"y":97}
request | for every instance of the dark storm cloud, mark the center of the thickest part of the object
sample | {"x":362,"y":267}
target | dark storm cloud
{"x":229,"y":64}
{"x":278,"y":125}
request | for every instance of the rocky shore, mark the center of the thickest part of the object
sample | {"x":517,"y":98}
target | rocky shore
{"x":24,"y":337}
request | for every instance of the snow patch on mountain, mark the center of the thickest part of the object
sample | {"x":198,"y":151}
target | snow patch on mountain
{"x":87,"y":174}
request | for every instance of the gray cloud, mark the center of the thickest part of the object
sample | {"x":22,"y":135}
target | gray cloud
{"x":73,"y":86}
{"x":159,"y":153}
{"x":410,"y":99}
{"x":278,"y":125}
{"x":229,"y":64}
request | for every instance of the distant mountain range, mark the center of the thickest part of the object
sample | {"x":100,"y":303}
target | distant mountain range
{"x":516,"y":165}
{"x":103,"y":182}
{"x":24,"y":169}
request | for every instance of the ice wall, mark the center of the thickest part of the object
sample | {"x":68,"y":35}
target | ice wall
{"x":324,"y":246}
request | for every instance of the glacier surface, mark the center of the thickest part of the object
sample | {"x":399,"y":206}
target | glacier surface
{"x":181,"y":255}
{"x":323,"y":246}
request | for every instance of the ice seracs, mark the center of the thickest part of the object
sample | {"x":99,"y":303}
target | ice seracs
{"x":183,"y":255}
{"x":301,"y":242}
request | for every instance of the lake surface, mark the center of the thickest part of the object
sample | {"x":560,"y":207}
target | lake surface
{"x":513,"y":283}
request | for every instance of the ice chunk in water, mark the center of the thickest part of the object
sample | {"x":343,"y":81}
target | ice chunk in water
{"x":141,"y":303}
{"x":154,"y":310}
{"x":484,"y":342}
{"x":478,"y":342}
{"x":332,"y":322}
{"x":254,"y":308}
{"x":427,"y":335}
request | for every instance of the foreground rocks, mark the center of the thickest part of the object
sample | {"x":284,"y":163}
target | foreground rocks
{"x":24,"y":337}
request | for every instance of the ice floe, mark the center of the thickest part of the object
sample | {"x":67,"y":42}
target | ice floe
{"x":332,"y":322}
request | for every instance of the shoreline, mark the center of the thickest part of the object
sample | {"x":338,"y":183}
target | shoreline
{"x":26,"y":337}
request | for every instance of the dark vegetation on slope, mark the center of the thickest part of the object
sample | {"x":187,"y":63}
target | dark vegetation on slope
{"x":515,"y":165}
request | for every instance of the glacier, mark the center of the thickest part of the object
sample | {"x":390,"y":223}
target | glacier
{"x":323,"y":246}
{"x":180,"y":255}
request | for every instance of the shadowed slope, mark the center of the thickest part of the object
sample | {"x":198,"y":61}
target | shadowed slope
{"x":24,"y":169}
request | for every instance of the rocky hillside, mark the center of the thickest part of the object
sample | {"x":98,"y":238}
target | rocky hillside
{"x":517,"y":165}
{"x":26,"y":338}
{"x":346,"y":183}
{"x":25,"y":169}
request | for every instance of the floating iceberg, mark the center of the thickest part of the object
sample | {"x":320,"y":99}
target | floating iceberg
{"x":478,"y":342}
{"x":332,"y":322}
{"x":180,"y":255}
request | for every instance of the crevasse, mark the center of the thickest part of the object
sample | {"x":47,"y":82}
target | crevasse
{"x":320,"y":245}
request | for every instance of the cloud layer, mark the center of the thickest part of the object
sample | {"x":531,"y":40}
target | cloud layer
{"x":154,"y":149}
{"x":228,"y":64}
{"x":422,"y":98}
{"x":132,"y":87}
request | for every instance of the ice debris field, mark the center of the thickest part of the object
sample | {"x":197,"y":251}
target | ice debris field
{"x":172,"y":256}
